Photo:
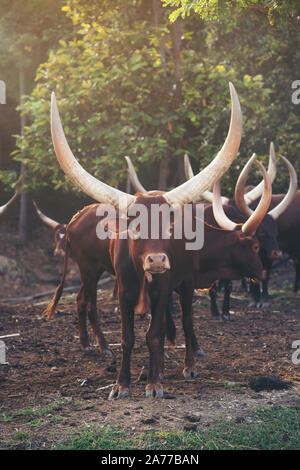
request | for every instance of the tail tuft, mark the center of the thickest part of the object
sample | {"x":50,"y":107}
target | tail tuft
{"x":49,"y":312}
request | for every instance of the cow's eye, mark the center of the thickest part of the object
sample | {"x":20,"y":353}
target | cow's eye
{"x":256,"y":247}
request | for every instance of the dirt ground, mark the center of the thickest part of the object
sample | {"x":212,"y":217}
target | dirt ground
{"x":46,"y":367}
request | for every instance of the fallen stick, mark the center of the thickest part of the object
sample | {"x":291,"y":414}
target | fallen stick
{"x":21,"y":300}
{"x":9,"y":336}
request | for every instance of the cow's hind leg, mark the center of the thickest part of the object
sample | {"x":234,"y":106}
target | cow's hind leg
{"x":297,"y":274}
{"x":94,"y":319}
{"x":82,"y":328}
{"x":213,"y":301}
{"x":226,"y":301}
{"x":87,"y":307}
{"x":121,"y":388}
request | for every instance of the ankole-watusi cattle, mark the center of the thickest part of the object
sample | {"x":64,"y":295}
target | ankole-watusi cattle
{"x":285,"y":210}
{"x":267,"y":232}
{"x":92,"y":254}
{"x":59,"y":231}
{"x":9,"y":203}
{"x":148,"y":269}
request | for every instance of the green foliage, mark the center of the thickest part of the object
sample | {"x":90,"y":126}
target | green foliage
{"x":117,"y":98}
{"x":212,"y":10}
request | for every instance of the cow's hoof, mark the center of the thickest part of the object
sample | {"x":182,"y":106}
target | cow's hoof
{"x":199,"y":353}
{"x":226,"y":317}
{"x":118,"y":392}
{"x":189,"y":373}
{"x":90,"y":351}
{"x":255,"y":305}
{"x":108,"y":352}
{"x":154,"y":391}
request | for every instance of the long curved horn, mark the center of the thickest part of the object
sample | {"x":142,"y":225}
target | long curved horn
{"x":239,"y":193}
{"x":207,"y":195}
{"x":79,"y":176}
{"x":4,"y":208}
{"x":189,"y":174}
{"x":191,"y":189}
{"x":250,"y":227}
{"x":251,"y":195}
{"x":256,"y":192}
{"x":52,"y":223}
{"x":218,"y":209}
{"x":134,"y":178}
{"x":281,"y":207}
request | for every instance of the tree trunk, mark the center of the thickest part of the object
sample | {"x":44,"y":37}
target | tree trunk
{"x":177,"y":28}
{"x":23,"y":196}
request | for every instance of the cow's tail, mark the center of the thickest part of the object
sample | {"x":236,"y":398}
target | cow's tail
{"x":49,"y":312}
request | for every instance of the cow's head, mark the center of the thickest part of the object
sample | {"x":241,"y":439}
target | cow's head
{"x":267,"y":231}
{"x":59,"y":231}
{"x":244,"y":260}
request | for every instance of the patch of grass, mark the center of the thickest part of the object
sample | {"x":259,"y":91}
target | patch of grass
{"x":97,"y":438}
{"x":32,"y":414}
{"x":267,"y":429}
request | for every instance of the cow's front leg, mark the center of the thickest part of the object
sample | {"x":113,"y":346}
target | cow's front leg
{"x":155,"y":337}
{"x":255,"y":294}
{"x":265,"y":293}
{"x":186,"y":300}
{"x":121,"y":388}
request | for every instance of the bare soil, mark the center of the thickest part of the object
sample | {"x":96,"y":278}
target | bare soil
{"x":46,"y":367}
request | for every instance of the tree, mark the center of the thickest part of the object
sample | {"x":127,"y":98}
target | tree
{"x":274,"y":10}
{"x":127,"y":83}
{"x":24,"y":40}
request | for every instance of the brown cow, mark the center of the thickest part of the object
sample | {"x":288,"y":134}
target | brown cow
{"x":267,"y":233}
{"x":285,"y":211}
{"x":59,"y":231}
{"x":147,"y":270}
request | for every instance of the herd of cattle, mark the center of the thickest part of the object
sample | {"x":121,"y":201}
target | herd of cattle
{"x":242,"y":236}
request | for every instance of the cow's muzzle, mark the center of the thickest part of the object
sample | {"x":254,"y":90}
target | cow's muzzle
{"x":156,"y":263}
{"x":276,"y":254}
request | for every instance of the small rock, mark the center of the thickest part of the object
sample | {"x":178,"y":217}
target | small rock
{"x":193,"y":418}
